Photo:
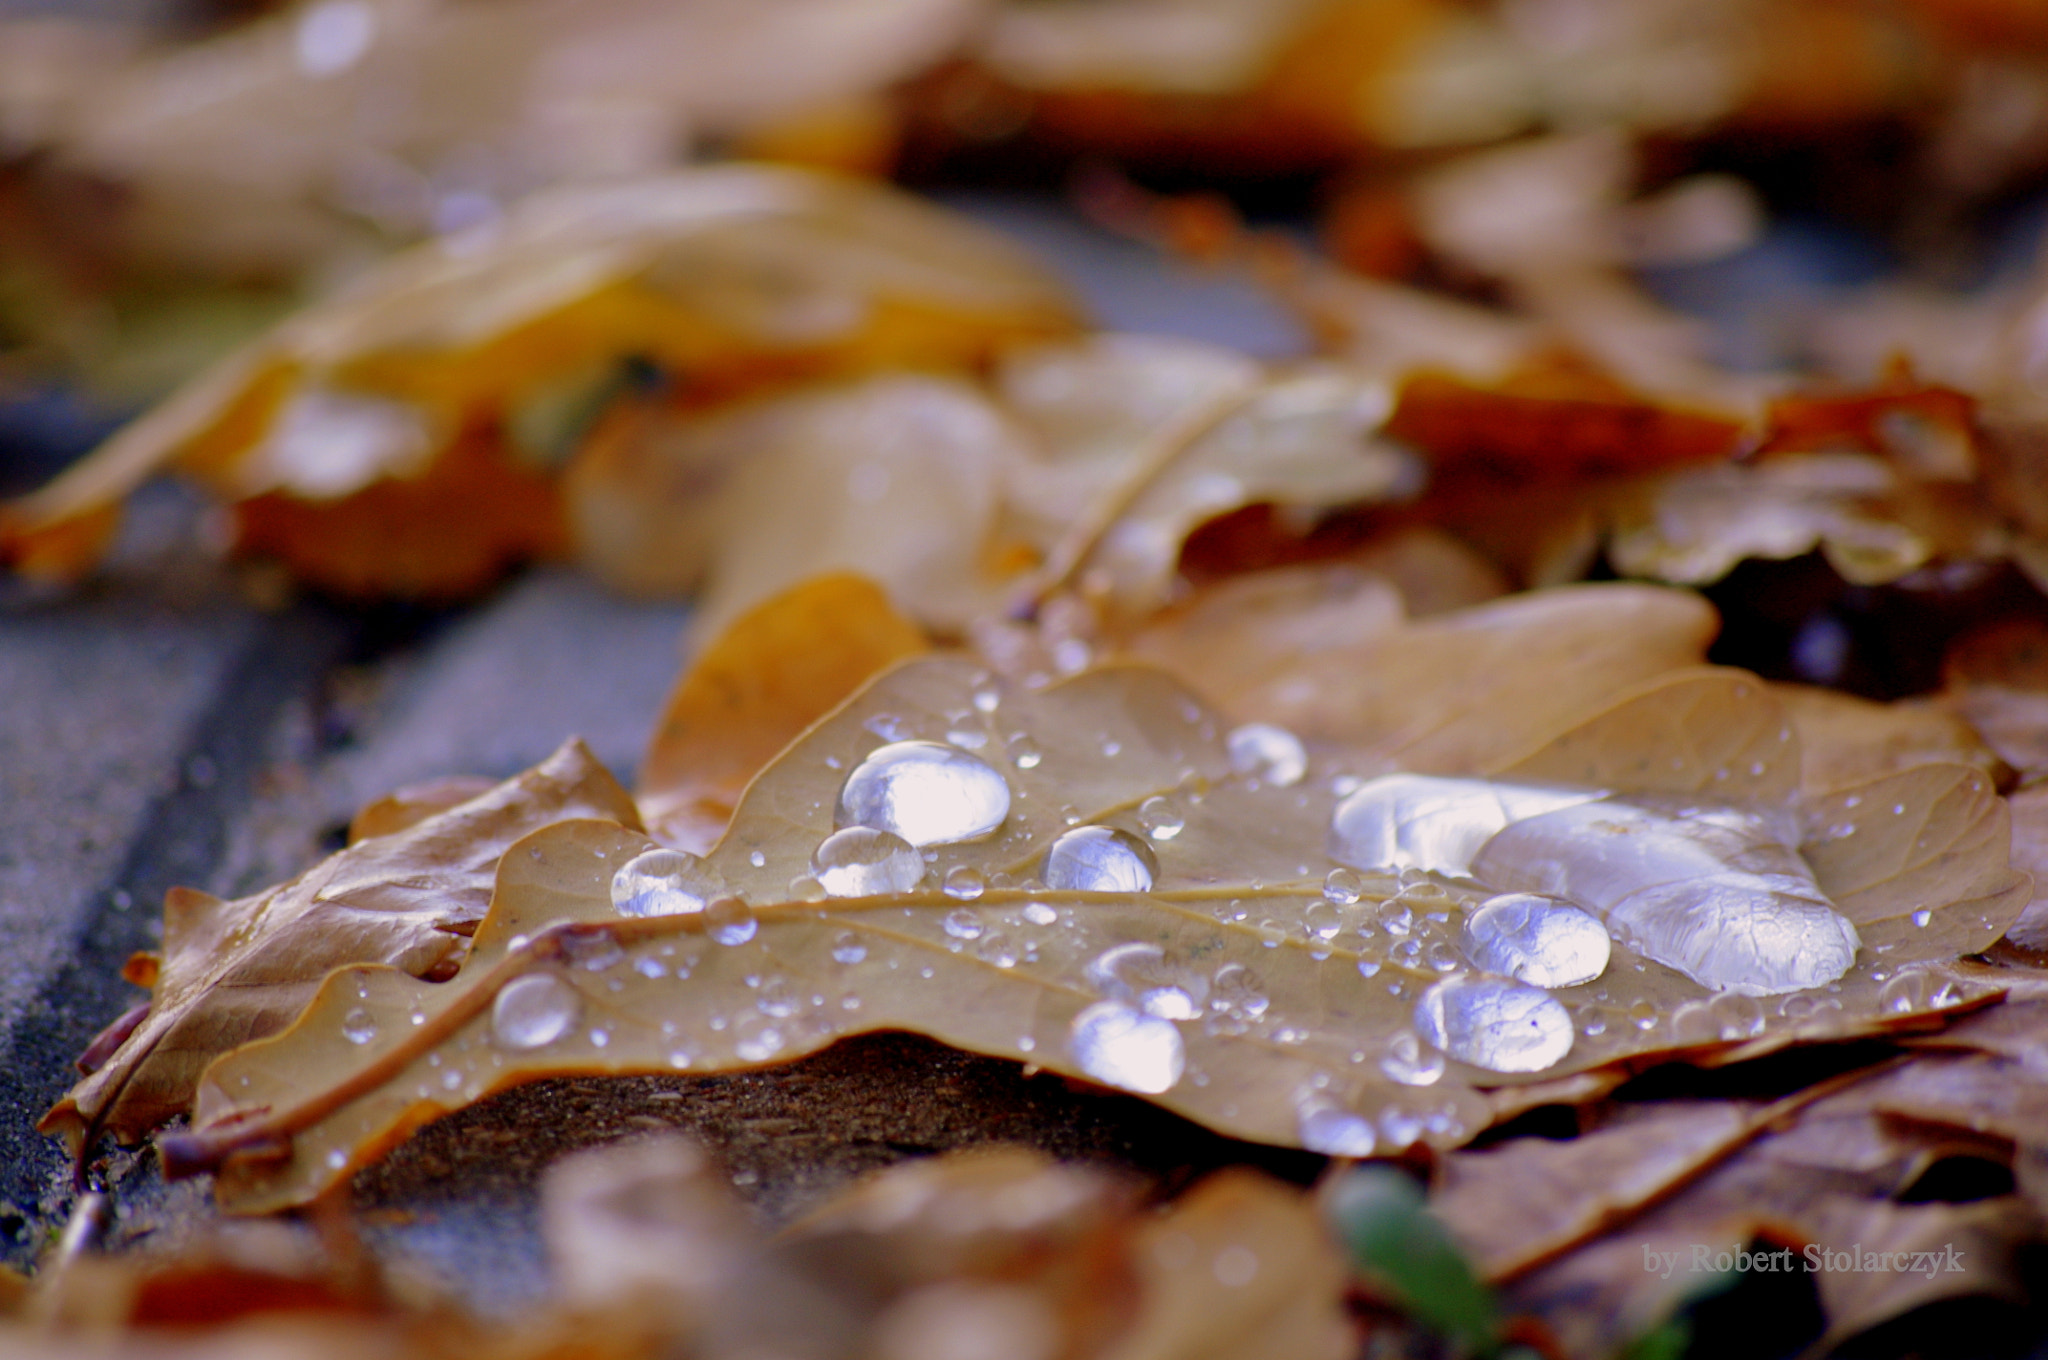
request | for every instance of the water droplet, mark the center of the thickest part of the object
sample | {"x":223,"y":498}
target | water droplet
{"x":1161,"y":817}
{"x":1335,"y":1132}
{"x":759,"y":1046}
{"x":966,"y":738}
{"x":1141,"y":975}
{"x":1906,"y":992}
{"x":1099,"y":859}
{"x":1237,"y":993}
{"x":358,"y":1026}
{"x":1923,"y":917}
{"x":1367,"y":968}
{"x":663,"y":883}
{"x":1443,"y":957}
{"x":533,"y":1011}
{"x":1642,"y":1014}
{"x":925,"y":792}
{"x":594,"y":950}
{"x":336,"y":1159}
{"x":777,"y":999}
{"x":650,"y":967}
{"x":1408,"y":1061}
{"x":1493,"y":1023}
{"x":1540,"y":940}
{"x":730,"y":920}
{"x":805,"y":888}
{"x":996,"y":948}
{"x":863,"y":862}
{"x":1342,"y":887}
{"x":1272,"y":755}
{"x":1122,"y":1047}
{"x":1322,"y":921}
{"x":1040,"y":913}
{"x":965,"y":883}
{"x":1023,"y":751}
{"x":1737,"y":1016}
{"x":963,"y":924}
{"x":1693,"y":1023}
{"x":987,"y":699}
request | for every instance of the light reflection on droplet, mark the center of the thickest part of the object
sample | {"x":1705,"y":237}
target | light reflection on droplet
{"x":663,"y":883}
{"x":1099,"y":859}
{"x":963,"y":924}
{"x":1272,"y":755}
{"x":1040,"y":913}
{"x":1161,"y":818}
{"x":1122,"y":1047}
{"x":1342,"y":887}
{"x":358,"y":1026}
{"x":1494,"y":1023}
{"x":730,"y":920}
{"x":1540,"y":940}
{"x":533,"y":1011}
{"x":860,"y":861}
{"x":1335,"y":1132}
{"x":1408,"y":1061}
{"x":925,"y":792}
{"x":964,"y":883}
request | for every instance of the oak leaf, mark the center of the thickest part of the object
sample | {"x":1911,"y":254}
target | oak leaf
{"x":236,"y":971}
{"x":1233,"y":984}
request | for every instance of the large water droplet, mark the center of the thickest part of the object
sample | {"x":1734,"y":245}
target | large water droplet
{"x":863,"y":862}
{"x":1543,"y":941}
{"x":1272,"y":755}
{"x":1496,"y":1024}
{"x":1122,"y":1047}
{"x":925,"y":792}
{"x":1416,"y":821}
{"x":533,"y":1011}
{"x":1098,"y":859}
{"x":663,"y":883}
{"x":358,"y":1026}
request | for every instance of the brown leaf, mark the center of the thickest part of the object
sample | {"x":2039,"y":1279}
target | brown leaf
{"x":1284,"y":1012}
{"x":236,"y":971}
{"x":1847,"y":740}
{"x":413,"y":804}
{"x":780,"y":667}
{"x":1328,"y":657}
{"x":426,"y":367}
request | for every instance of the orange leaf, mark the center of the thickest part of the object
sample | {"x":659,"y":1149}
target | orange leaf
{"x":778,"y":669}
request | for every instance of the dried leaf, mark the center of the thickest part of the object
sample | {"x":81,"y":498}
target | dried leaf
{"x":236,"y":971}
{"x":733,"y":277}
{"x":1848,"y":740}
{"x":1458,"y":693}
{"x":1235,"y":990}
{"x":778,"y":669}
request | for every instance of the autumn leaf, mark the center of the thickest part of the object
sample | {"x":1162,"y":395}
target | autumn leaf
{"x":1108,"y":894}
{"x":777,"y":670}
{"x":236,"y":971}
{"x":736,"y":277}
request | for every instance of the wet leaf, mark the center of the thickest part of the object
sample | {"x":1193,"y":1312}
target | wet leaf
{"x":236,"y":971}
{"x":780,"y":668}
{"x":732,"y":277}
{"x":1144,"y":909}
{"x":1847,"y":740}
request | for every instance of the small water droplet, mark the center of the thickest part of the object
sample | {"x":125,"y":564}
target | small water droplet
{"x":1040,"y":913}
{"x":1368,"y":968}
{"x":987,"y":699}
{"x":663,"y":883}
{"x":966,"y":738}
{"x":650,"y":967}
{"x":533,"y":1011}
{"x":1736,"y":1015}
{"x":806,"y":888}
{"x":1410,"y":1062}
{"x":1923,"y":917}
{"x":1642,"y":1014}
{"x":760,"y":1045}
{"x":1099,"y":859}
{"x":1322,"y":920}
{"x":1272,"y":755}
{"x":1906,"y":992}
{"x":1023,"y":751}
{"x":1540,"y":940}
{"x":964,"y":883}
{"x":925,"y":792}
{"x":1342,"y":886}
{"x":336,"y":1159}
{"x":1161,"y":818}
{"x":963,"y":924}
{"x":860,"y":861}
{"x":358,"y":1026}
{"x":1493,"y":1023}
{"x":730,"y":920}
{"x":1443,"y":957}
{"x":996,"y":948}
{"x":1123,"y":1047}
{"x":1141,"y":975}
{"x":1335,"y":1132}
